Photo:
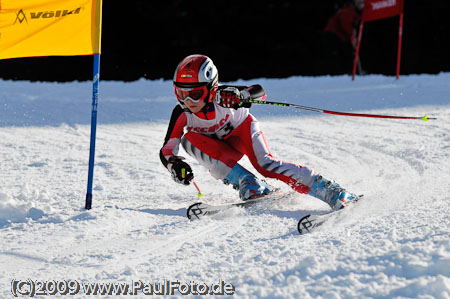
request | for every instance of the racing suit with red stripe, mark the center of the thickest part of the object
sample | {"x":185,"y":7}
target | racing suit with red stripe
{"x":218,"y":137}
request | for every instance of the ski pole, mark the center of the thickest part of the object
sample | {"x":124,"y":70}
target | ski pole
{"x":199,"y":193}
{"x":424,"y":118}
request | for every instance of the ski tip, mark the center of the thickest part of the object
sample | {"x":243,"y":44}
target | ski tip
{"x":194,"y":211}
{"x":304,"y":224}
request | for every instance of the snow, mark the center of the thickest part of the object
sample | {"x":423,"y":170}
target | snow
{"x":393,"y":244}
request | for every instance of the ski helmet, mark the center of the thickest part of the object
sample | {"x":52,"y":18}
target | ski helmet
{"x":196,"y":79}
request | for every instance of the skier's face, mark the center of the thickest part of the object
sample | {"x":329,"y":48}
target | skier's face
{"x":194,"y":107}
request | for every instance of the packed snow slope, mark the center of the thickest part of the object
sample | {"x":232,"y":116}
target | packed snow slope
{"x":393,"y":244}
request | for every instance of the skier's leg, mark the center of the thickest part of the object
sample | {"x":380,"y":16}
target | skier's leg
{"x":331,"y":193}
{"x":221,"y":160}
{"x":249,"y":139}
{"x":248,"y":184}
{"x":300,"y":178}
{"x":215,"y":155}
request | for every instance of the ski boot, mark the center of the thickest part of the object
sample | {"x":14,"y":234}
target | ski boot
{"x":247,"y":183}
{"x":331,"y":193}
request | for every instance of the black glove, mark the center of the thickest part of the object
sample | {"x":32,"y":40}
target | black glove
{"x":231,"y":97}
{"x":180,"y":170}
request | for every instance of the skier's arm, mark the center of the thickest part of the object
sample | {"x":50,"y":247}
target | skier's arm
{"x":173,"y":135}
{"x":181,"y":171}
{"x":237,"y":96}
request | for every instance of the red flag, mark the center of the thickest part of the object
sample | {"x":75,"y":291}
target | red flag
{"x":380,"y":9}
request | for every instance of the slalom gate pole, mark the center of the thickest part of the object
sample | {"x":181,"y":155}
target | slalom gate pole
{"x":95,"y":82}
{"x":424,"y":118}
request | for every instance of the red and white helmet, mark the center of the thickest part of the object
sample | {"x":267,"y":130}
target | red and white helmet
{"x":196,"y":79}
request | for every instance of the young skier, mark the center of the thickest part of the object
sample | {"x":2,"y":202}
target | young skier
{"x":213,"y":124}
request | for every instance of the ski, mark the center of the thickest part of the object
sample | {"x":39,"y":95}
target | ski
{"x":201,"y":209}
{"x":310,"y":223}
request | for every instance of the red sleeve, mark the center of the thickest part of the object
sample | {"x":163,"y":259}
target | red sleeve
{"x":174,"y":133}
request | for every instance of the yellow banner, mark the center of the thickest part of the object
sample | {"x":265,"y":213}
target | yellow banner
{"x":49,"y":27}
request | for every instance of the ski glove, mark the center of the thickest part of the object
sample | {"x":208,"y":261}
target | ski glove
{"x":231,"y":97}
{"x":180,"y":170}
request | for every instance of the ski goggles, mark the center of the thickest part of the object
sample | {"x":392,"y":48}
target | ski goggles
{"x":193,"y":93}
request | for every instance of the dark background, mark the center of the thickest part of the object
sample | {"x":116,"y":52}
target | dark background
{"x":245,"y":39}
